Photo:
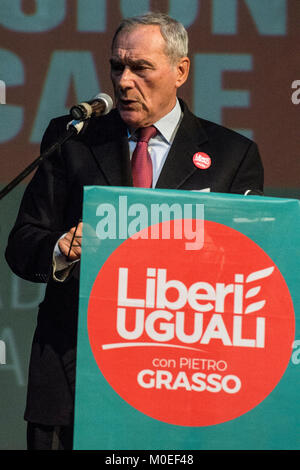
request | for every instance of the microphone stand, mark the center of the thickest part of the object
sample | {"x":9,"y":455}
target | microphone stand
{"x":74,"y":127}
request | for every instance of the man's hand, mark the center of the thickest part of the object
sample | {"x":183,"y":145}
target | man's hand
{"x":70,"y":244}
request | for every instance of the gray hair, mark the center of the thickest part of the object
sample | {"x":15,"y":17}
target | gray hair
{"x":173,"y":32}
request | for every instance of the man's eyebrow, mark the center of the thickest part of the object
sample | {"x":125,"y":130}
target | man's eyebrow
{"x":131,"y":62}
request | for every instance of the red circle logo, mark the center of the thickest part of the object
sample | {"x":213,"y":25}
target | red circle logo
{"x":202,"y":160}
{"x":191,"y":337}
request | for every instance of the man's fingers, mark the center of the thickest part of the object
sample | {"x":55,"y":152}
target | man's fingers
{"x":70,"y":244}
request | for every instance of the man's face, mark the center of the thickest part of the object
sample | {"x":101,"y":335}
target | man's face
{"x":144,"y":80}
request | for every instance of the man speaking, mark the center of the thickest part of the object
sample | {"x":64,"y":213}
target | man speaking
{"x":150,"y":140}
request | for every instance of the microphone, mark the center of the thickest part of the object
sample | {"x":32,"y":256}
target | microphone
{"x":101,"y":104}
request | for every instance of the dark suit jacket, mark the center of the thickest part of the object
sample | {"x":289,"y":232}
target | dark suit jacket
{"x":52,"y":204}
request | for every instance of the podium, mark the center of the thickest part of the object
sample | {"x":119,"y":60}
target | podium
{"x":188,"y":333}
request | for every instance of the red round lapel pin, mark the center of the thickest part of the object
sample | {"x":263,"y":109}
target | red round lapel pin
{"x":202,"y":160}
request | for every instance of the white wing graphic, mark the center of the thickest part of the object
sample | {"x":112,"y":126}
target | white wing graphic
{"x":255,"y":306}
{"x":255,"y":276}
{"x":252,"y":292}
{"x":260,"y":274}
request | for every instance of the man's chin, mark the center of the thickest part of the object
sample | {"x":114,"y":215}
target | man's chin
{"x":132,"y":118}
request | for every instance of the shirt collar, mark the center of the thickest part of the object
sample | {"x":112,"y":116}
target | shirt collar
{"x":167,"y":125}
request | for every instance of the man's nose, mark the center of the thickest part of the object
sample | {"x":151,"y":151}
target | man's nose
{"x":126,"y":79}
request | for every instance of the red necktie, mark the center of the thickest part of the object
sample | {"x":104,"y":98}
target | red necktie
{"x":141,"y":163}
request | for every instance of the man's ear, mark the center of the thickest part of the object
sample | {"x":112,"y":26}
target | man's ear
{"x":183,"y":68}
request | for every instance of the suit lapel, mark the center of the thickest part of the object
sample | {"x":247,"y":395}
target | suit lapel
{"x":108,"y":141}
{"x":179,"y":164}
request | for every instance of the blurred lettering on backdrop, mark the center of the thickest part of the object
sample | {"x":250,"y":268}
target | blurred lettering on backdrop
{"x":244,"y":61}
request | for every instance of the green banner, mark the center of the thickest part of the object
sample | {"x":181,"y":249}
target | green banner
{"x":188,"y":322}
